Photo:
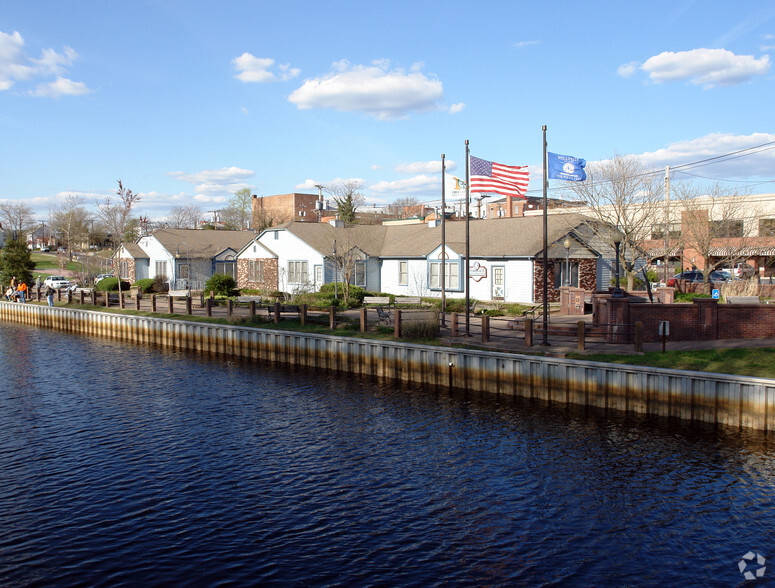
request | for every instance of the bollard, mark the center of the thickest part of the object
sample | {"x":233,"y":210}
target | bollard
{"x":485,"y":328}
{"x":252,"y":308}
{"x":188,"y":304}
{"x":80,"y":297}
{"x":453,"y":324}
{"x":582,"y":335}
{"x":153,"y":302}
{"x":209,"y":307}
{"x":363,"y":319}
{"x":107,"y":298}
{"x":303,"y":314}
{"x":528,"y":332}
{"x":276,"y":312}
{"x":332,"y":317}
{"x":137,"y":300}
{"x":170,"y":305}
{"x":397,"y":324}
{"x":229,"y":307}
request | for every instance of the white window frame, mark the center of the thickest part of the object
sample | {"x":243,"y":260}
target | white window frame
{"x":403,"y":273}
{"x":298,"y":272}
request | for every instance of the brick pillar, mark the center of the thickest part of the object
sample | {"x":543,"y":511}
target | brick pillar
{"x":707,"y":318}
{"x":619,"y":320}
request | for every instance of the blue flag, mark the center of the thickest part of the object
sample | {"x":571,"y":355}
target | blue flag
{"x":565,"y":167}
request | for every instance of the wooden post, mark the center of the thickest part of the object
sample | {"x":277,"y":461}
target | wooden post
{"x":397,"y":324}
{"x":80,"y":296}
{"x":252,"y":308}
{"x":188,"y":305}
{"x":303,"y":314}
{"x":137,"y":300}
{"x":153,"y":302}
{"x":363,"y":319}
{"x":332,"y":317}
{"x":485,"y":328}
{"x":209,"y":307}
{"x":276,"y":312}
{"x":107,"y":298}
{"x":69,"y":296}
{"x":229,"y":307}
{"x":453,"y":324}
{"x":582,"y":335}
{"x":528,"y":332}
{"x":638,"y":337}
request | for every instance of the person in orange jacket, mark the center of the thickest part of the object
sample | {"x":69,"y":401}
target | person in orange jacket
{"x":22,"y":290}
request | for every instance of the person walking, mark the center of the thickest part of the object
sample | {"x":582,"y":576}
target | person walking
{"x":14,"y":294}
{"x":50,"y":295}
{"x":22,"y":290}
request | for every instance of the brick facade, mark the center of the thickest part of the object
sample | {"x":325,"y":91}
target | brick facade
{"x":704,"y":319}
{"x":587,"y":277}
{"x":270,"y":281}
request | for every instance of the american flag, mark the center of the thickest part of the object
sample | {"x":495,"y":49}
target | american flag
{"x":508,"y":180}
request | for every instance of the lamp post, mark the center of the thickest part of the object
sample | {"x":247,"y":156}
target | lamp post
{"x":566,"y":277}
{"x":617,"y":293}
{"x":336,"y":271}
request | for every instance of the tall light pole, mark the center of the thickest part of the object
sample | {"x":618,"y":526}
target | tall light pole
{"x":617,"y":293}
{"x":566,"y":277}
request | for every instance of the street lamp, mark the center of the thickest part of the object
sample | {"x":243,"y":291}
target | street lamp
{"x":566,"y":277}
{"x":617,"y":237}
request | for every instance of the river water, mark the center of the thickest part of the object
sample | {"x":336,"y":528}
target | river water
{"x":124,"y":465}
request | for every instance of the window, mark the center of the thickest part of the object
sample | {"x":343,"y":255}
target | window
{"x":726,"y":228}
{"x":124,"y":268}
{"x":360,"y":273}
{"x":297,"y":272}
{"x":183,"y":271}
{"x":451,"y":275}
{"x":573,"y":274}
{"x":225,"y":267}
{"x":255,"y":270}
{"x":658,"y":231}
{"x":161,"y":268}
{"x":403,"y":273}
{"x":767,"y":227}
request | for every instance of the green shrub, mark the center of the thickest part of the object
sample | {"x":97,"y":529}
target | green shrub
{"x":355,"y":299}
{"x":424,"y":329}
{"x":689,"y":296}
{"x":221,"y":284}
{"x":145,"y":285}
{"x":111,"y":285}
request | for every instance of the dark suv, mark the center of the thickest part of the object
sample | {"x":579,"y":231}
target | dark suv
{"x":696,"y":277}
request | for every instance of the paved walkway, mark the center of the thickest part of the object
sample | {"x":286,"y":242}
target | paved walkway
{"x":501,"y":338}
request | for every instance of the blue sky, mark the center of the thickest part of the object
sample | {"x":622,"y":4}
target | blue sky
{"x":188,"y":101}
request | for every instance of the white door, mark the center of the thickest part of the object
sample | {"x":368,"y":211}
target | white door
{"x":498,"y":282}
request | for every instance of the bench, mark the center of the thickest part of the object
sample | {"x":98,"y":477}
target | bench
{"x":178,"y":293}
{"x":742,"y":300}
{"x":376,"y":300}
{"x":408,"y":300}
{"x":284,"y":308}
{"x":256,"y":299}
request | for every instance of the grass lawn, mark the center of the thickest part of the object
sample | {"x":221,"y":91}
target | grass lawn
{"x":759,"y":362}
{"x":49,"y":263}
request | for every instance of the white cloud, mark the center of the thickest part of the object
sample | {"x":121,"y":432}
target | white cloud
{"x":753,"y":165}
{"x":417,"y":185}
{"x":17,"y":66}
{"x":424,"y":167}
{"x":257,"y":69}
{"x":61,"y":87}
{"x":214,"y":184}
{"x":705,"y":67}
{"x":521,"y":44}
{"x":374,"y":90}
{"x":309,"y":184}
{"x":627,"y":69}
{"x":455,"y":108}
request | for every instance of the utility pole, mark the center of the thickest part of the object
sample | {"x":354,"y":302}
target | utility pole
{"x":667,"y":219}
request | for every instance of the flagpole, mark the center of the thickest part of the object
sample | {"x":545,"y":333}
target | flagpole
{"x":468,"y":197}
{"x":546,"y":247}
{"x":443,"y":242}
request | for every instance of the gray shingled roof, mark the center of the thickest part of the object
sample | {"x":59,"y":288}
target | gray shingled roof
{"x":204,"y":244}
{"x":504,"y":237}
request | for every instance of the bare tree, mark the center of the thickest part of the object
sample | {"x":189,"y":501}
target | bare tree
{"x":184,"y":217}
{"x":404,"y":207}
{"x":622,"y":192}
{"x":238,"y":214}
{"x":115,"y":216}
{"x":347,"y":197}
{"x":717,"y":226}
{"x":18,"y":217}
{"x":71,"y":219}
{"x":348,"y":259}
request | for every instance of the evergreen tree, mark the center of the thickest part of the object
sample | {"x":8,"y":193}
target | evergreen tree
{"x":15,"y":261}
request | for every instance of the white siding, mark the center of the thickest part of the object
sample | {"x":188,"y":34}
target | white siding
{"x":289,"y":247}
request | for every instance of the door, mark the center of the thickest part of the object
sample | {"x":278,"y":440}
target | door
{"x":498,"y":282}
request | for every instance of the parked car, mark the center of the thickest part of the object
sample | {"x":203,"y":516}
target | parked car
{"x":57,"y":282}
{"x":102,"y":277}
{"x":695,"y":276}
